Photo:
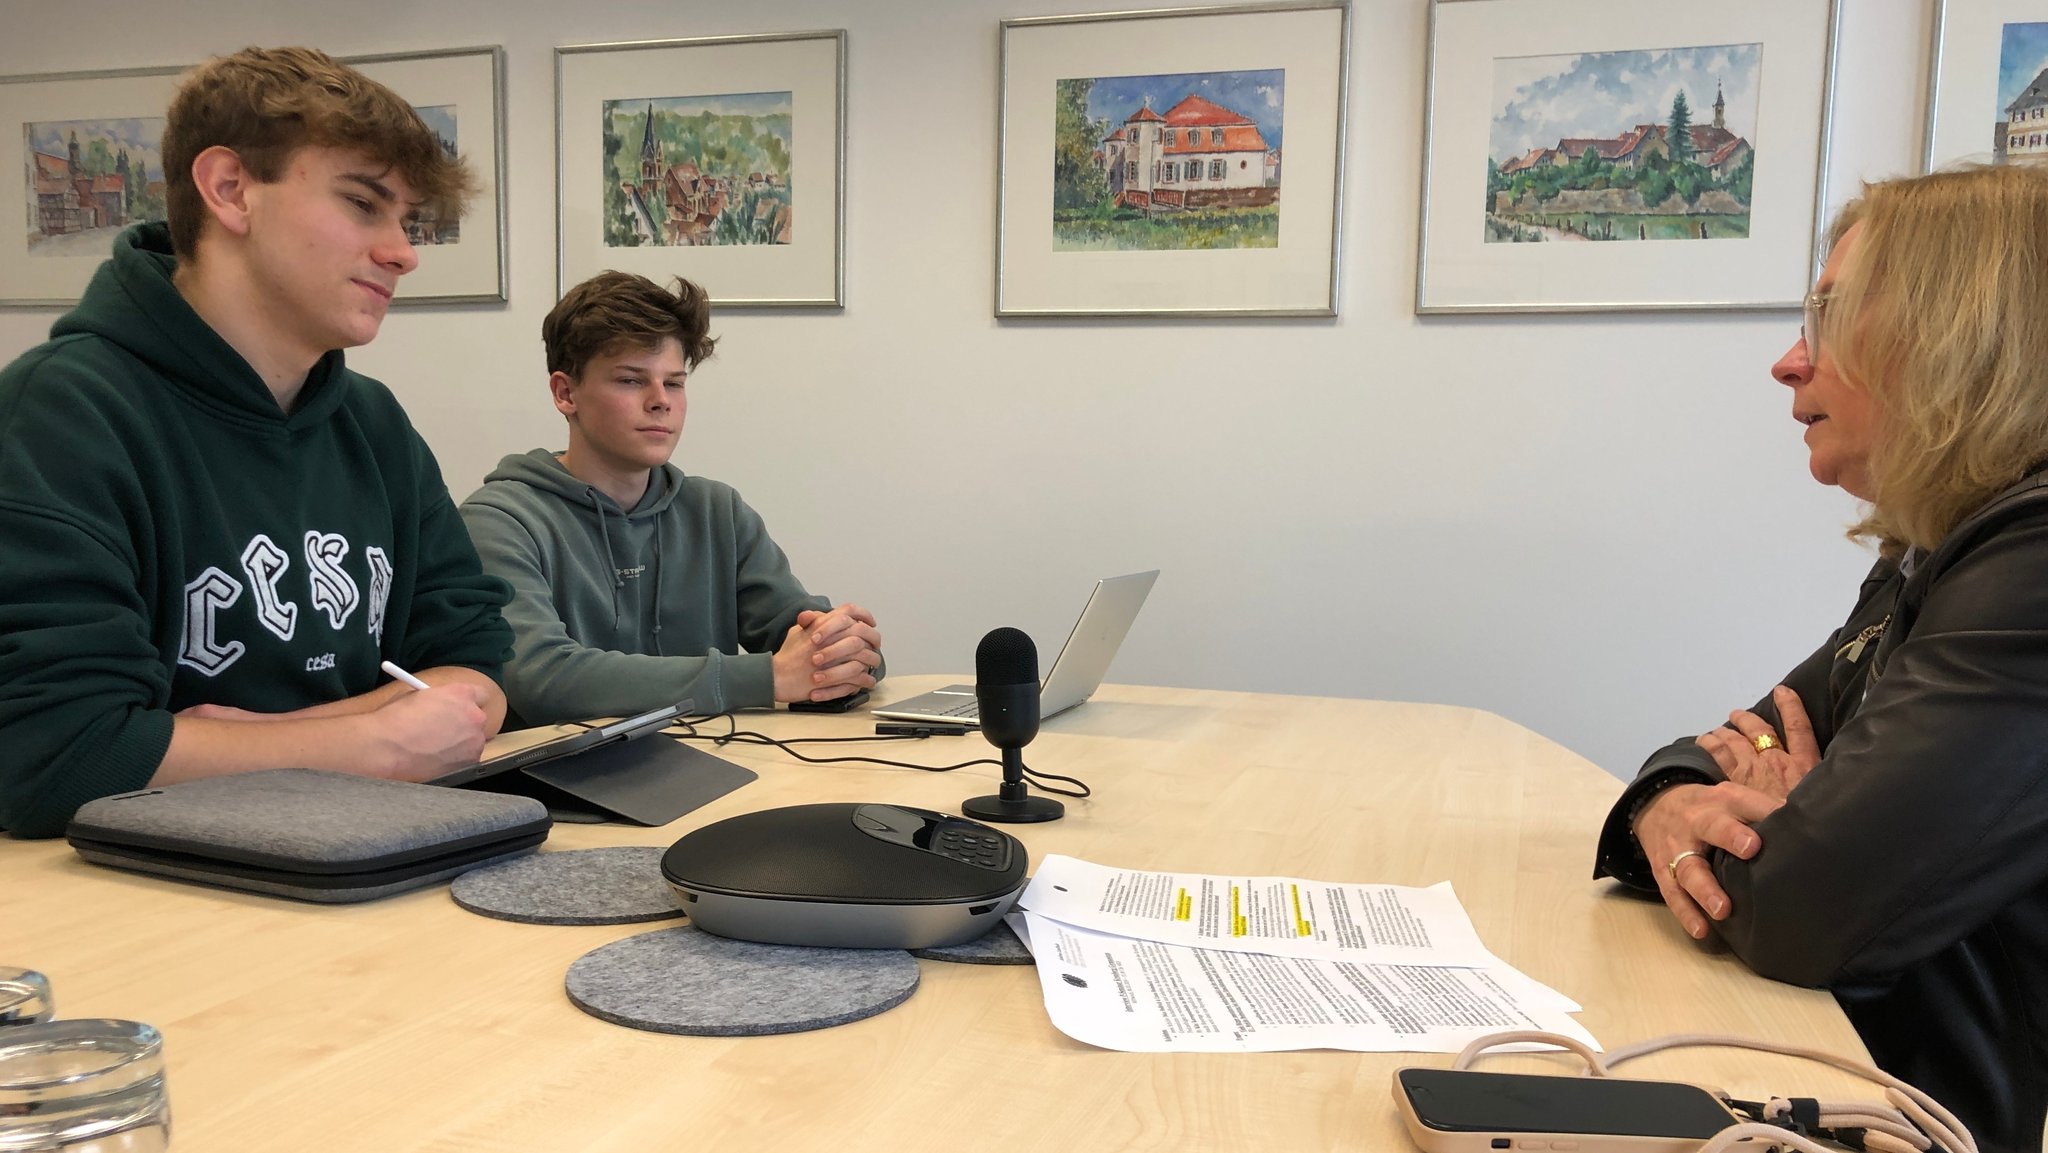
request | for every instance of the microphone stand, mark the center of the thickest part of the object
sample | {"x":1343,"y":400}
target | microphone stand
{"x":1012,"y":802}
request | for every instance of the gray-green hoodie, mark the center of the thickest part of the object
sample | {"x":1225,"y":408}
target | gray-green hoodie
{"x":616,"y":612}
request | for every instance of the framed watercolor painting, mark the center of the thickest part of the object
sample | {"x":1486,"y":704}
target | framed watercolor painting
{"x":722,"y":159}
{"x":460,"y":93}
{"x":1987,"y":88}
{"x":81,"y":158}
{"x":1180,"y":162}
{"x":88,"y":148}
{"x":1601,"y":155}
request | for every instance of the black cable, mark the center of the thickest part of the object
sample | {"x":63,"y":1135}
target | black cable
{"x":736,"y":735}
{"x":1035,"y":776}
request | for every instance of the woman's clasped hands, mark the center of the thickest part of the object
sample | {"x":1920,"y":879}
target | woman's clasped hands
{"x":1682,"y":825}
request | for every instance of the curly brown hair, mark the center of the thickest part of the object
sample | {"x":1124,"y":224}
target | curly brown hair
{"x":618,"y":310}
{"x":267,"y":103}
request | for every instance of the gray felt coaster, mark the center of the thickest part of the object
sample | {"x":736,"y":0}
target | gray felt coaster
{"x":684,"y":980}
{"x":998,"y":946}
{"x":613,"y":886}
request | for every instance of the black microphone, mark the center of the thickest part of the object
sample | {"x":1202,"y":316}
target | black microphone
{"x":1006,"y":698}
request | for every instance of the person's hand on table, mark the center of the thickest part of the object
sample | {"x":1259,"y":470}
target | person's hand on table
{"x":1756,"y":756}
{"x":420,"y":735}
{"x":828,"y":655}
{"x":1681,"y":826}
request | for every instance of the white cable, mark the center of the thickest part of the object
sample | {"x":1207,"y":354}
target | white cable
{"x":1915,"y":1121}
{"x":1922,"y":1110}
{"x":1471,"y":1052}
{"x":1775,"y":1138}
{"x":1858,"y":1115}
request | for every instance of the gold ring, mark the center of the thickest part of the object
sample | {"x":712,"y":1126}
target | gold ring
{"x":1764,"y":742}
{"x":1673,"y":866}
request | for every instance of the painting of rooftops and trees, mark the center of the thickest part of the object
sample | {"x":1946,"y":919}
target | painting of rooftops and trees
{"x":1642,"y":145}
{"x":690,"y":170}
{"x":1181,"y":161}
{"x":2022,"y":129}
{"x":89,"y":179}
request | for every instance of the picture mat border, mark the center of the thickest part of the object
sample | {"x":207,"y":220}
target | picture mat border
{"x":1326,"y":244}
{"x":468,"y":282}
{"x":13,"y":192}
{"x":1949,"y":23}
{"x":1716,"y":30}
{"x":20,"y":286}
{"x":750,"y":294}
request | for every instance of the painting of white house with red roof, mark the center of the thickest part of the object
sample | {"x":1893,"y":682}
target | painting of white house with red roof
{"x":698,"y":170}
{"x":1181,"y":161}
{"x":89,"y":179}
{"x":1654,"y":144}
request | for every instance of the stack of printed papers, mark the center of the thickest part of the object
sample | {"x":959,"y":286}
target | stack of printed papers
{"x":1170,"y":962}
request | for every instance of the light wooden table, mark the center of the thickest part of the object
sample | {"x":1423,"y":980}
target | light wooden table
{"x":410,"y":1024}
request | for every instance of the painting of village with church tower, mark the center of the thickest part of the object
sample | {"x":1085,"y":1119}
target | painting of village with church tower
{"x":88,"y":179}
{"x":1623,"y":145}
{"x":698,"y":170}
{"x":1178,"y":161}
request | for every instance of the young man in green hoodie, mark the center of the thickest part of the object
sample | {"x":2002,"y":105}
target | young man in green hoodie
{"x":635,"y":586}
{"x":215,"y":532}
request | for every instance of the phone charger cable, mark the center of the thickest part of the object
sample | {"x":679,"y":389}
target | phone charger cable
{"x":1909,"y":1121}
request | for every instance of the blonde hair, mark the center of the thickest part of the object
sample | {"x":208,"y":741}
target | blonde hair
{"x":267,"y":103}
{"x":1940,"y":313}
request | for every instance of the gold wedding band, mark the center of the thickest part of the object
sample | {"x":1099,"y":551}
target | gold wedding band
{"x":1673,"y":866}
{"x":1764,"y":742}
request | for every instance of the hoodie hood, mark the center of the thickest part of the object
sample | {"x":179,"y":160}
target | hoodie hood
{"x":540,"y":469}
{"x":541,"y":473}
{"x":132,"y":303}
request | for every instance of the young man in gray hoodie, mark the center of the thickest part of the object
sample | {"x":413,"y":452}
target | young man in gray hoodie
{"x":635,"y":586}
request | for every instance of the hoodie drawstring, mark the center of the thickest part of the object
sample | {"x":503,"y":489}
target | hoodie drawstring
{"x":612,"y":565}
{"x":611,"y":562}
{"x":657,"y":587}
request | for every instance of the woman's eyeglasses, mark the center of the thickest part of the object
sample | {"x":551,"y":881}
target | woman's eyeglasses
{"x":1816,"y":307}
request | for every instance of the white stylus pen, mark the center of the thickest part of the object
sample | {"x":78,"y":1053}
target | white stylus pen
{"x":403,"y":677}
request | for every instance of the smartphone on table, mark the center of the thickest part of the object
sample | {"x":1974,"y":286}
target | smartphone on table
{"x":1464,"y":1111}
{"x":845,"y":704}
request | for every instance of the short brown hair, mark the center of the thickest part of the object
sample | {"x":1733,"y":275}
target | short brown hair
{"x":267,"y":103}
{"x":1941,"y":315}
{"x":616,"y":310}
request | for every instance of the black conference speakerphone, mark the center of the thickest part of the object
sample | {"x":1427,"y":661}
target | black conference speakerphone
{"x":865,"y":876}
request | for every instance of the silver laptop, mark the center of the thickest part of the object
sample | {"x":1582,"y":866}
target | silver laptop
{"x":1076,"y":673}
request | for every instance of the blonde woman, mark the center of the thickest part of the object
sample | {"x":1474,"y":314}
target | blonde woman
{"x":1878,"y":824}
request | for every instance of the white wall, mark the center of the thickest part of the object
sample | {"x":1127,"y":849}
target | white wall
{"x":1598,"y":526}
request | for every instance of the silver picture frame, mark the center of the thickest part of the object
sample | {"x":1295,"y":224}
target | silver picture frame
{"x":449,"y":273}
{"x":1251,"y":252}
{"x":1971,"y":92}
{"x":64,"y":237}
{"x":1462,"y":263}
{"x":790,"y":252}
{"x":471,"y":81}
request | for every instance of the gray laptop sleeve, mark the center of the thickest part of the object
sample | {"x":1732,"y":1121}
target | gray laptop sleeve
{"x":303,"y":833}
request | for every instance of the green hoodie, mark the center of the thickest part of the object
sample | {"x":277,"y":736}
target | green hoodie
{"x":615,"y":611}
{"x":173,"y":538}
